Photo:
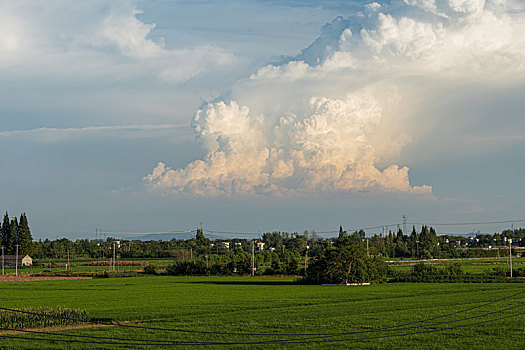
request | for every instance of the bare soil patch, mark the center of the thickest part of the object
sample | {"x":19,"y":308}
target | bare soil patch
{"x":4,"y":279}
{"x":58,"y":328}
{"x":64,"y":328}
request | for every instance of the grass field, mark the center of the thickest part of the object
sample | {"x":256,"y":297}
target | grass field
{"x":276,"y":305}
{"x":465,"y":268}
{"x":77,"y":265}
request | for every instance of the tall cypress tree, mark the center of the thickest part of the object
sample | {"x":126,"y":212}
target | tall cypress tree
{"x":7,"y":236}
{"x":26,"y":240}
{"x":342,"y":233}
{"x":412,"y":241}
{"x":15,"y":234}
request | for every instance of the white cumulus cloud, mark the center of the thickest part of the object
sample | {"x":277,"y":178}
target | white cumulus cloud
{"x":324,"y":120}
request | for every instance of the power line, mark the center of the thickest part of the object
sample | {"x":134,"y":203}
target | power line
{"x":232,"y":232}
{"x":147,"y":233}
{"x":258,"y":342}
{"x":468,"y":223}
{"x":412,"y":333}
{"x":390,"y":225}
{"x":130,"y":340}
{"x":394,"y":335}
{"x":168,"y":342}
{"x":399,"y":327}
{"x":260,"y":334}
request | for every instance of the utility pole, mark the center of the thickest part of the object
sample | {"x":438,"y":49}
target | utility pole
{"x":16,"y":261}
{"x":253,"y":258}
{"x":68,"y":266}
{"x":405,"y":225}
{"x":306,"y":253}
{"x":510,"y":256}
{"x":367,"y":250}
{"x":306,"y":259}
{"x":113,"y":256}
{"x":2,"y":260}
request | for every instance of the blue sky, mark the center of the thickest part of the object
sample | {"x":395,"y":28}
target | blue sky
{"x":250,"y":137}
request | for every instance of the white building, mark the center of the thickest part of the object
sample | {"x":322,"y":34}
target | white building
{"x":23,"y":260}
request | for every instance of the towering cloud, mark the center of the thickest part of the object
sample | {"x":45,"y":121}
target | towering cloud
{"x":322,"y":121}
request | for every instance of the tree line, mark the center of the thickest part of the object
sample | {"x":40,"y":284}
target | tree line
{"x":16,"y":232}
{"x":349,"y":258}
{"x":425,"y":244}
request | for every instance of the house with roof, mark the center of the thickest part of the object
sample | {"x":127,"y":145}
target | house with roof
{"x":23,"y":260}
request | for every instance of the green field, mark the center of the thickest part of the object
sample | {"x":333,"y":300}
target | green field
{"x":57,"y":266}
{"x":276,"y":305}
{"x":465,"y":268}
{"x":78,"y":266}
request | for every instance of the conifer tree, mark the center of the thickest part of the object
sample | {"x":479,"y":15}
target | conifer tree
{"x":413,"y":242}
{"x":342,"y":233}
{"x":200,"y":239}
{"x":26,"y":240}
{"x":15,"y":234}
{"x":7,"y":236}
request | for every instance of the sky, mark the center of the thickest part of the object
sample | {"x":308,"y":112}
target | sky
{"x":155,"y":116}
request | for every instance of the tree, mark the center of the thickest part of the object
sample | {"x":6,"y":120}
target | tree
{"x":413,"y":244}
{"x":342,"y":233}
{"x":428,"y":245}
{"x":15,"y":233}
{"x":347,"y":262}
{"x":7,"y":235}
{"x":25,"y":238}
{"x":200,"y":239}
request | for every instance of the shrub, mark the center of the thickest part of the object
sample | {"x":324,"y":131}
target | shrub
{"x":187,"y":268}
{"x":150,"y":270}
{"x":451,"y":274}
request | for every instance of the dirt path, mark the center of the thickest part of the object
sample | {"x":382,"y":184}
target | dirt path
{"x":4,"y":279}
{"x":58,"y":328}
{"x":65,"y":328}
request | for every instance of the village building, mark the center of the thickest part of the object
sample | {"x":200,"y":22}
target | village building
{"x":224,"y":244}
{"x":23,"y":260}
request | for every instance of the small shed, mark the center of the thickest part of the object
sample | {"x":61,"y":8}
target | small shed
{"x":23,"y":260}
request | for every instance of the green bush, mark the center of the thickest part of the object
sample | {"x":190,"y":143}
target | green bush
{"x":150,"y":270}
{"x":451,"y":274}
{"x":187,"y":268}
